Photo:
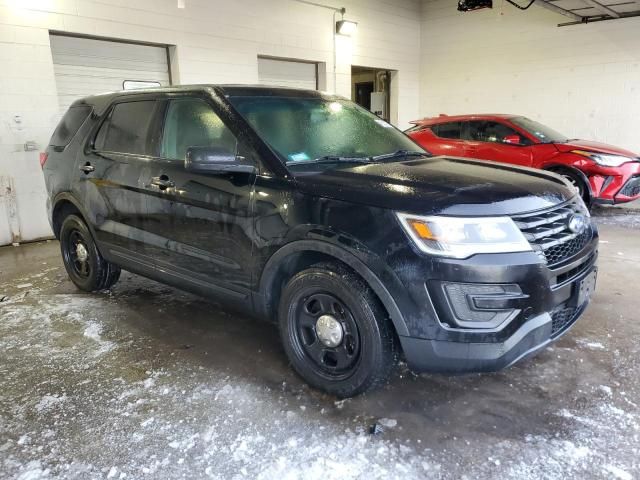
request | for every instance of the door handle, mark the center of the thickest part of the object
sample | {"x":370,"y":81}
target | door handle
{"x":162,"y":182}
{"x":87,"y":168}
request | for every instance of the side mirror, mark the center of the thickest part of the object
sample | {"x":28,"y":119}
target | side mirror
{"x":215,"y":160}
{"x":512,"y":139}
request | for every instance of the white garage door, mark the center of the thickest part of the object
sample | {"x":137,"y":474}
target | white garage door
{"x":86,"y":66}
{"x":285,"y":73}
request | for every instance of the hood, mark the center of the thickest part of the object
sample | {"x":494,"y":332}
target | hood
{"x":439,"y":185}
{"x":594,"y":147}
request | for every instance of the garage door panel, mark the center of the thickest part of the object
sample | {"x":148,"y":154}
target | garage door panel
{"x":84,"y":66}
{"x":159,"y":66}
{"x":285,"y":73}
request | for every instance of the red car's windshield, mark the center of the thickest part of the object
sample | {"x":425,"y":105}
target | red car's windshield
{"x":540,"y":131}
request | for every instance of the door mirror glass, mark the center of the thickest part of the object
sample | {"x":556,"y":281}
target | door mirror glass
{"x":214,"y":160}
{"x":512,"y":139}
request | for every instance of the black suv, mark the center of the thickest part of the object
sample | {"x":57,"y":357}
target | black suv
{"x":307,"y":209}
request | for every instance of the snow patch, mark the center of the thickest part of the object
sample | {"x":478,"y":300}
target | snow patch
{"x":49,"y":402}
{"x":618,"y":472}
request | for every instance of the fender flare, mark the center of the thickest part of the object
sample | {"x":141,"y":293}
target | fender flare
{"x":271,"y":270}
{"x":68,"y":197}
{"x":555,"y":167}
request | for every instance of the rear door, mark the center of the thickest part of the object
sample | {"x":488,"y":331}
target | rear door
{"x":447,"y":139}
{"x":489,"y":140}
{"x":203,"y":218}
{"x":114,"y":179}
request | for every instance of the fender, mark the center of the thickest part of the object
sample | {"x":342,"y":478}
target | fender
{"x":271,"y":269}
{"x":555,"y":167}
{"x":69,"y":197}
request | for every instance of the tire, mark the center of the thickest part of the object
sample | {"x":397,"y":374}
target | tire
{"x":84,"y":264}
{"x":578,"y":183}
{"x":368,"y":349}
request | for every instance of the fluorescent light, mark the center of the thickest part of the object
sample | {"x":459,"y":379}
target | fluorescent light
{"x":346,"y":27}
{"x":181,"y":3}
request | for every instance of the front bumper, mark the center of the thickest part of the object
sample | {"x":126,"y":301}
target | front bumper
{"x":612,"y":185}
{"x":549,"y":305}
{"x":456,"y":357}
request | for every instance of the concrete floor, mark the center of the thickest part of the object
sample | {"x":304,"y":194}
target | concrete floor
{"x":145,"y":381}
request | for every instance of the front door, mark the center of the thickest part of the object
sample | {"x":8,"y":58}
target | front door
{"x":489,"y":140}
{"x":203,"y":218}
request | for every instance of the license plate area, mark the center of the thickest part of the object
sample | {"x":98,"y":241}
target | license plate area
{"x":586,"y":287}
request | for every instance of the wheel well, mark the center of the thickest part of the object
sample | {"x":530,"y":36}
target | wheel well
{"x":588,"y":193}
{"x":62,"y":210}
{"x":298,"y":261}
{"x":292,"y":264}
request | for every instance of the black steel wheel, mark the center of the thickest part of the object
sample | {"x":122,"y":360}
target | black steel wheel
{"x":327,"y":334}
{"x":82,"y":260}
{"x":335,"y":331}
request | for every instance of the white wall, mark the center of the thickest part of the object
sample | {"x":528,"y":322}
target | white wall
{"x":217,"y":41}
{"x":583,"y":80}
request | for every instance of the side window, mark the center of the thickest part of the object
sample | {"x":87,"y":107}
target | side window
{"x":127,"y":128}
{"x":448,"y":130}
{"x":69,"y":125}
{"x":191,"y":122}
{"x":492,"y":132}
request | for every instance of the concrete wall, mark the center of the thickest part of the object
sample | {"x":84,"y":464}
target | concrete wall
{"x":216,"y":41}
{"x":583,"y":80}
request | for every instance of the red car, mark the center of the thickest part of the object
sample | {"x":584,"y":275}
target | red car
{"x":600,"y":173}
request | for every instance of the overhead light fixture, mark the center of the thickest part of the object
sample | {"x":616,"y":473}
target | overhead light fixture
{"x":181,"y":3}
{"x":346,"y":27}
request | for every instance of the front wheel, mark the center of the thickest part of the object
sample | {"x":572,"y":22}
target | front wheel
{"x":578,"y":185}
{"x":82,"y":260}
{"x":335,"y":331}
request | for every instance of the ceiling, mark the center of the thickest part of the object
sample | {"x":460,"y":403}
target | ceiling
{"x":586,"y":11}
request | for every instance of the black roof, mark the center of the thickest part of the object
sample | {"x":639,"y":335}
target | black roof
{"x":104,"y":99}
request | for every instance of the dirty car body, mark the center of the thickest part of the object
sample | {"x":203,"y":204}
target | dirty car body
{"x":383,"y":215}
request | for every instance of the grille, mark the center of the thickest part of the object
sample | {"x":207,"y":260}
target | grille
{"x":562,"y":318}
{"x":549,"y":234}
{"x":574,"y":272}
{"x":631,"y":188}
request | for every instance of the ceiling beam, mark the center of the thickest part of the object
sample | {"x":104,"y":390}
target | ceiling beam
{"x":602,"y":8}
{"x":561,"y":11}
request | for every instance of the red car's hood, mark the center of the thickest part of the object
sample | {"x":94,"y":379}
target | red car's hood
{"x":594,"y":147}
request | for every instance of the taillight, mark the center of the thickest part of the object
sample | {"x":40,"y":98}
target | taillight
{"x":43,"y":158}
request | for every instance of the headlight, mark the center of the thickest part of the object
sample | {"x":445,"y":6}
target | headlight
{"x":459,"y":237}
{"x":603,"y":159}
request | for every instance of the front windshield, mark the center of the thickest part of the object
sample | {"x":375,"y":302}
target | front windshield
{"x":540,"y":131}
{"x":304,"y":129}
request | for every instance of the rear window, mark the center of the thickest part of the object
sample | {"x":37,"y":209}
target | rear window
{"x":447,"y":130}
{"x":126,"y":130}
{"x":69,"y":125}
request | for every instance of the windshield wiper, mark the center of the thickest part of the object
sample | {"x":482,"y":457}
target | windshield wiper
{"x":332,"y":159}
{"x":399,"y":153}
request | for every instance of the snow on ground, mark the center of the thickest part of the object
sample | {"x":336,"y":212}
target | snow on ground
{"x":97,"y":386}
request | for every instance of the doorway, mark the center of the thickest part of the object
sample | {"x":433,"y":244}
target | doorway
{"x":371,"y":89}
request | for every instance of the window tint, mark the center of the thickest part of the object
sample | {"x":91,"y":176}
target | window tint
{"x":492,"y":132}
{"x":127,"y":128}
{"x":447,"y":130}
{"x":69,"y":125}
{"x":191,"y":122}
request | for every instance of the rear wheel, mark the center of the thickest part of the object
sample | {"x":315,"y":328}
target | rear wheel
{"x":82,"y":260}
{"x":335,"y":331}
